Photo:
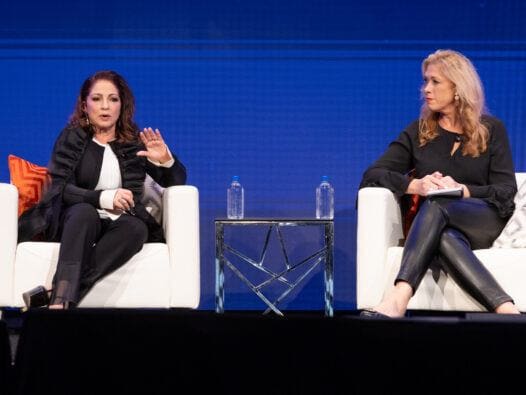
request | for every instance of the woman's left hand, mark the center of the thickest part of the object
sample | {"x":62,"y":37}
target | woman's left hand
{"x":451,"y":183}
{"x":156,"y":149}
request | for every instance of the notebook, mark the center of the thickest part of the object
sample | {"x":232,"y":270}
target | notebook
{"x":453,"y":192}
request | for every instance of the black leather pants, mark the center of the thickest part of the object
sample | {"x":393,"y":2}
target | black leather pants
{"x":446,"y":230}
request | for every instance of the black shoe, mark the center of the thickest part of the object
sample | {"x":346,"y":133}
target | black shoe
{"x":370,"y":313}
{"x":36,"y":297}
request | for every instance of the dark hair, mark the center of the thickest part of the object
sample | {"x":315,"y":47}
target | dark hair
{"x":126,"y":129}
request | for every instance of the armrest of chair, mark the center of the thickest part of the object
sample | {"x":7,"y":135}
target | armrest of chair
{"x":379,"y":227}
{"x":8,"y":240}
{"x":181,"y":228}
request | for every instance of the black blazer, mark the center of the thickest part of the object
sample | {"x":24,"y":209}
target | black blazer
{"x":75,"y":167}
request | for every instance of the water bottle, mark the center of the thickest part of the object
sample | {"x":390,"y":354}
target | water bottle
{"x":235,"y":200}
{"x":325,"y":199}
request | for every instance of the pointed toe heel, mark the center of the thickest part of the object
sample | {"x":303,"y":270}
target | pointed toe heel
{"x":369,"y":313}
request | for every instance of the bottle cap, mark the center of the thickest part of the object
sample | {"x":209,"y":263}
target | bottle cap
{"x":235,"y":178}
{"x":325,"y":178}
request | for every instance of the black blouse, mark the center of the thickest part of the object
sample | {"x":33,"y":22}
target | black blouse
{"x":490,"y":176}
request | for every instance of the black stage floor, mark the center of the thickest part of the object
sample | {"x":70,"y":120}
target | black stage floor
{"x":99,"y":351}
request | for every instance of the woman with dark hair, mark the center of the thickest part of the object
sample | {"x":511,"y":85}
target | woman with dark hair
{"x":453,"y":144}
{"x":93,"y":206}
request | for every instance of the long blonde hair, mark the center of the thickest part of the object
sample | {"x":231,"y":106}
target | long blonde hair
{"x":470,"y":105}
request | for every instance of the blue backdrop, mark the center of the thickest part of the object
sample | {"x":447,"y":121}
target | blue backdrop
{"x":277,"y":92}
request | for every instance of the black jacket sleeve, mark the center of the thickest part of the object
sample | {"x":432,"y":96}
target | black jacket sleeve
{"x":167,"y":176}
{"x":392,"y":168}
{"x":502,"y":185}
{"x":74,"y":194}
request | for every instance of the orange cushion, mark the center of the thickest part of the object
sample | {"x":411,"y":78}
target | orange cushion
{"x":30,"y":179}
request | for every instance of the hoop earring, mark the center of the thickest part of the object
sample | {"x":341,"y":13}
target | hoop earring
{"x":88,"y":123}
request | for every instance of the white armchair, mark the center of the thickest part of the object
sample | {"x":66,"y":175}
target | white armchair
{"x":379,"y":232}
{"x":159,"y":276}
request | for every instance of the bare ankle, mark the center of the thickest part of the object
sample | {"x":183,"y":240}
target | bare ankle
{"x":507,"y":308}
{"x":394,"y":304}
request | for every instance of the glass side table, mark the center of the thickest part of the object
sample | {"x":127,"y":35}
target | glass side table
{"x":304,"y":266}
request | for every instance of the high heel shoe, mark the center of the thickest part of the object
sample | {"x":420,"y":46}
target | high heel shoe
{"x":36,"y":297}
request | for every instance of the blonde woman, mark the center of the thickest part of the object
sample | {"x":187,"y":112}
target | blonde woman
{"x":453,"y":144}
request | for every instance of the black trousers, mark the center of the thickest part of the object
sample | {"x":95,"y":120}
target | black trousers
{"x":446,"y":230}
{"x":91,"y":248}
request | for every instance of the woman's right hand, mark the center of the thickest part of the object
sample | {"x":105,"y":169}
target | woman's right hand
{"x":421,"y":186}
{"x":123,"y":200}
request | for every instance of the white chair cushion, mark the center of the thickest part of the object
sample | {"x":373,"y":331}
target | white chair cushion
{"x":143,"y":281}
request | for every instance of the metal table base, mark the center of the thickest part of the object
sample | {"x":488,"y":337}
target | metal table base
{"x":308,"y":264}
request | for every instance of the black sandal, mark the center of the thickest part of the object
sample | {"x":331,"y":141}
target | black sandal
{"x":370,"y":313}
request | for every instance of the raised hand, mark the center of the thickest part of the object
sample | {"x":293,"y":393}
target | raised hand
{"x":156,"y":149}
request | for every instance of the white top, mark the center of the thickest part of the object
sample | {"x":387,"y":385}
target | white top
{"x":110,"y":180}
